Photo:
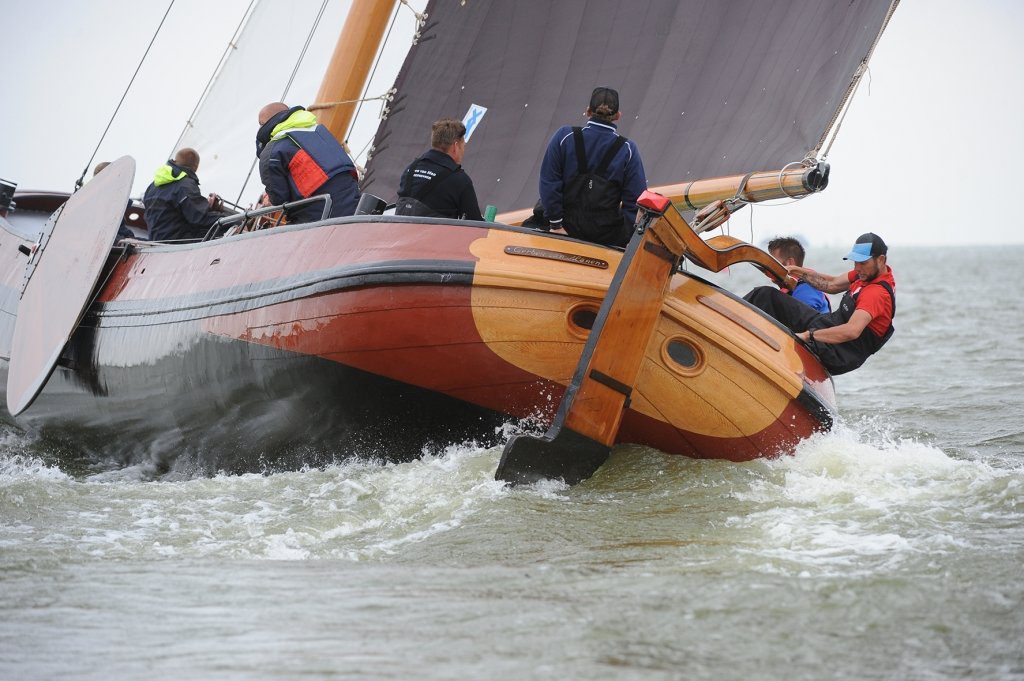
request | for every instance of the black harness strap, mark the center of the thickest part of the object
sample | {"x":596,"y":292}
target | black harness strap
{"x":582,"y":167}
{"x":581,"y":151}
{"x":892,"y":294}
{"x":609,"y":155}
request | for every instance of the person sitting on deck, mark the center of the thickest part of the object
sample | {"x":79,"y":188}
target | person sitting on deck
{"x":789,"y":252}
{"x":843,"y":339}
{"x":435,"y":185}
{"x":591,"y":177}
{"x":300,"y":158}
{"x":175,"y":208}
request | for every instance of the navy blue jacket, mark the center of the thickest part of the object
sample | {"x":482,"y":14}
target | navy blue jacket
{"x":175,"y":208}
{"x":307,"y":161}
{"x":560,"y":166}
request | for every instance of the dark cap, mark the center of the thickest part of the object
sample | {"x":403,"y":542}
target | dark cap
{"x":867,"y":246}
{"x":606,"y":96}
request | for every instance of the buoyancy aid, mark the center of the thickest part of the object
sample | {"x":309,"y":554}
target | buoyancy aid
{"x":320,"y":156}
{"x":840,"y":358}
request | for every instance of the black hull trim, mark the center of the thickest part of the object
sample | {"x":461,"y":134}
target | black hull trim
{"x":262,"y":294}
{"x":255,"y":409}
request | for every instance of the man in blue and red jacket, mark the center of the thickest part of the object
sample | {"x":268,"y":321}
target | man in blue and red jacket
{"x":591,"y":177}
{"x":300,"y":158}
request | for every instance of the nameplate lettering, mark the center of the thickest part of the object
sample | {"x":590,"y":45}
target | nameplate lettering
{"x":557,"y":255}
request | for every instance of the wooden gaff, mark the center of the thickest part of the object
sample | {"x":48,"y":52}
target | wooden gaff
{"x":793,"y":181}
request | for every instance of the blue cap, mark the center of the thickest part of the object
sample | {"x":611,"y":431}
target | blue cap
{"x":868,"y":246}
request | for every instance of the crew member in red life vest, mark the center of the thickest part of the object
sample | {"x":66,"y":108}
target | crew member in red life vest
{"x":591,"y":177}
{"x":300,"y":158}
{"x":845,"y":338}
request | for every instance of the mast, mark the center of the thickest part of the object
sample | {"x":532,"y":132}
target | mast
{"x":350,"y":64}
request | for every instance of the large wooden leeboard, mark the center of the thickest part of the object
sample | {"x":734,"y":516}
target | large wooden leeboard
{"x":63,"y":272}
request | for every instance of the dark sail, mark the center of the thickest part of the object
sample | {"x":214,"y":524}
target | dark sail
{"x":707,"y":87}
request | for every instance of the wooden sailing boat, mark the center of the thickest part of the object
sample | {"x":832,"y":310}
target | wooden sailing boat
{"x":376,"y":335}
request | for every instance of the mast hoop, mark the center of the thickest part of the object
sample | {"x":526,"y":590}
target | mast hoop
{"x":782,"y":172}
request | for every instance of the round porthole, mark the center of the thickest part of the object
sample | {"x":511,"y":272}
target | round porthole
{"x":582,"y":318}
{"x":682,"y":356}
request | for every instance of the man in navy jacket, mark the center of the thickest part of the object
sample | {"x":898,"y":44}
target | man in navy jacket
{"x":435,"y":184}
{"x":175,"y":208}
{"x":300,"y":158}
{"x":596,"y":199}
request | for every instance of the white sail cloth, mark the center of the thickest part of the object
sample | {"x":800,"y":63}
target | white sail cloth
{"x":258,"y":70}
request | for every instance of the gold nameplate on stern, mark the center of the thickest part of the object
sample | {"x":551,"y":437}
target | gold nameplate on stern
{"x":557,"y":255}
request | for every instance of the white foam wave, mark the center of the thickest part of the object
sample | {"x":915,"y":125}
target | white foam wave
{"x":21,"y":467}
{"x":844,"y":501}
{"x":356,"y":510}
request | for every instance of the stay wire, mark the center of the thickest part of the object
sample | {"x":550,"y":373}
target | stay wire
{"x":287,"y":87}
{"x":81,"y":179}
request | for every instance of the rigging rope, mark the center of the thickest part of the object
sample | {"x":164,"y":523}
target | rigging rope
{"x":330,"y":105}
{"x":232,"y":45}
{"x":80,"y":181}
{"x":844,"y":105}
{"x":287,"y":87}
{"x":421,"y":17}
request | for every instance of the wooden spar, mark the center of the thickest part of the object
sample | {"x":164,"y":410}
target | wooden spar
{"x":350,"y":64}
{"x":588,"y":419}
{"x":793,"y":181}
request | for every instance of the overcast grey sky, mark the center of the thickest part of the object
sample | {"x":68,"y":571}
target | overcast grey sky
{"x":927,"y":155}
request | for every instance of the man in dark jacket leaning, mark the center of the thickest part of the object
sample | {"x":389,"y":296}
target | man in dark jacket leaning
{"x":175,"y":208}
{"x":591,"y":177}
{"x":300,"y":158}
{"x":435,"y":185}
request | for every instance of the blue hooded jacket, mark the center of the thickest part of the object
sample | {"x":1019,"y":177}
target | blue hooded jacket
{"x":560,"y":165}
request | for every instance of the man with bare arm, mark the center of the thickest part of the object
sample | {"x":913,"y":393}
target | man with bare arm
{"x":862,"y":324}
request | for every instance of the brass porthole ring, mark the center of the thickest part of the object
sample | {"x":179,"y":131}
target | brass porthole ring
{"x":683,"y":356}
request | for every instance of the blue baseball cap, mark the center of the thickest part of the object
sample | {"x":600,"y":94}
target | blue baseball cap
{"x":867,"y":246}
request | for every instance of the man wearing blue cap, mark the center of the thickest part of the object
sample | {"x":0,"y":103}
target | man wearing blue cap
{"x":862,"y":324}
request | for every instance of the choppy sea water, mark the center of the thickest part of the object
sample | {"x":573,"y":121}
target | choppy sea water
{"x":890,"y":548}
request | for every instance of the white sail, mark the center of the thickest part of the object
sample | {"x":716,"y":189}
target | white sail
{"x":281,"y":53}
